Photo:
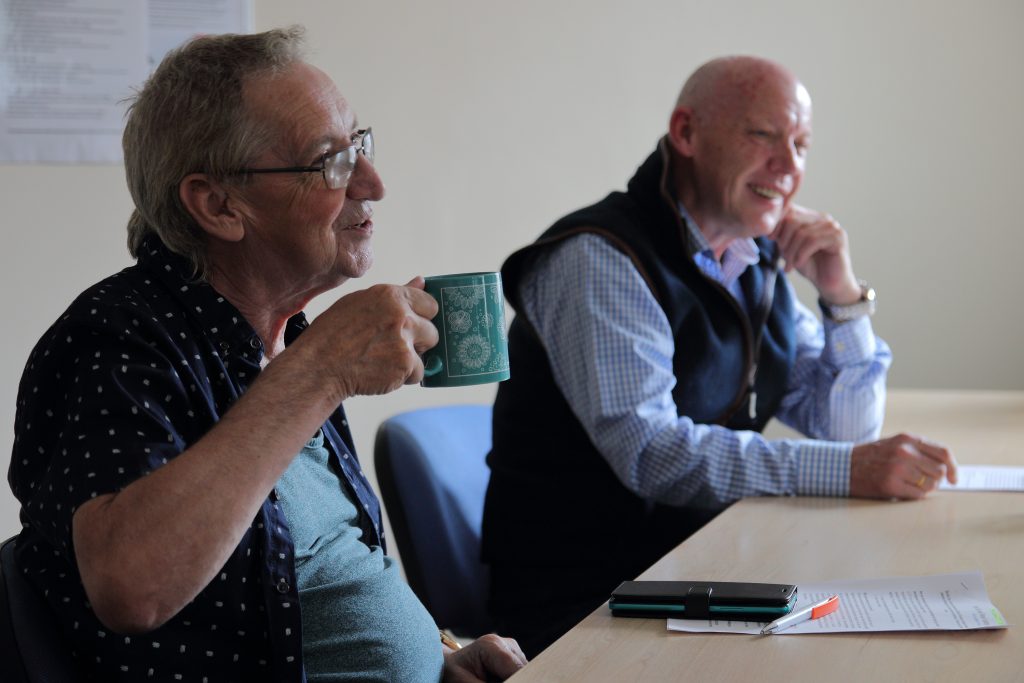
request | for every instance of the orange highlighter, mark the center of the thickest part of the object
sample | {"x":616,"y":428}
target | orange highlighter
{"x":813,"y":612}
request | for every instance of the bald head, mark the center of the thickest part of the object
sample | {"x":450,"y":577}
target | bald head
{"x":738,"y":139}
{"x":728,"y":84}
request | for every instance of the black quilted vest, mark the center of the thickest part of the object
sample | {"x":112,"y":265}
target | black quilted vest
{"x":552,"y":500}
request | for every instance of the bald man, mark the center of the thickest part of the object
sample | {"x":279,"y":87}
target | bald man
{"x":657,"y":334}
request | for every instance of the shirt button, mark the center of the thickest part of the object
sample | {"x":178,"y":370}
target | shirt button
{"x":224,"y":346}
{"x":282,"y":586}
{"x":254,"y":342}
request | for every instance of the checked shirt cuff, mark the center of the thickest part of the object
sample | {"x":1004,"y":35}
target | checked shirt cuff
{"x":823,"y":468}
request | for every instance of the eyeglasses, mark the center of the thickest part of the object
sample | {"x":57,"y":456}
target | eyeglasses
{"x":336,"y":167}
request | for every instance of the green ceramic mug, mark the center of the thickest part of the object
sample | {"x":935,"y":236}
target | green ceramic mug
{"x":472,"y":346}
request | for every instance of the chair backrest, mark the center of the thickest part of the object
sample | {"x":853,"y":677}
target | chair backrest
{"x":433,"y":478}
{"x":32,"y":647}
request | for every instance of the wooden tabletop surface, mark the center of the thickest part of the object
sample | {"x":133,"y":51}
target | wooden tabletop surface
{"x":790,"y":540}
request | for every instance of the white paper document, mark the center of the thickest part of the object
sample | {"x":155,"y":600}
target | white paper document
{"x":986,"y":478}
{"x":67,"y":68}
{"x":172,"y":22}
{"x":944,"y":602}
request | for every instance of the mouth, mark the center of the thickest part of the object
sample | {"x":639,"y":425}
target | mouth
{"x":766,"y":192}
{"x":365,"y":226}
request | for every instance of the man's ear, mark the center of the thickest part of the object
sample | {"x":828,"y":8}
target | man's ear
{"x":208,"y":202}
{"x":681,"y":130}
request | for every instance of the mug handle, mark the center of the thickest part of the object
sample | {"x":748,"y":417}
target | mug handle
{"x":433,"y":366}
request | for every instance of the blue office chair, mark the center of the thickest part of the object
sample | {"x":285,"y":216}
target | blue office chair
{"x":432,"y":476}
{"x":32,"y":647}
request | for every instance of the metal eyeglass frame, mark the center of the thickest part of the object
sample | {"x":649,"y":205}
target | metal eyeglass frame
{"x":336,"y":167}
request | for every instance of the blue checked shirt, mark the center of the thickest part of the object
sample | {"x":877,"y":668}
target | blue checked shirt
{"x":611,"y":349}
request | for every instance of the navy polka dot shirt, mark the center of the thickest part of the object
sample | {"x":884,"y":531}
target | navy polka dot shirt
{"x":137,"y":369}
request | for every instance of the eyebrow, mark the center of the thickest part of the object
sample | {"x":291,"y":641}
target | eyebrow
{"x":329,"y":141}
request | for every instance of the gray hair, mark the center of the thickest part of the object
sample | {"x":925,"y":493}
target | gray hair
{"x":190,"y":117}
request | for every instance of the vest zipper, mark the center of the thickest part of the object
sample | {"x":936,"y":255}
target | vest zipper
{"x":745,"y":392}
{"x":753,"y":346}
{"x":748,"y":393}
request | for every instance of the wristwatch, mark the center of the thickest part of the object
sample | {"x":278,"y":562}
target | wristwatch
{"x":858,"y":309}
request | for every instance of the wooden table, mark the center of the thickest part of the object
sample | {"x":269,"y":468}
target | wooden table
{"x":789,"y":540}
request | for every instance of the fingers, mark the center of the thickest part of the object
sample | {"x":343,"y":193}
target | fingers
{"x":423,"y":334}
{"x":802,"y":233}
{"x":922,"y":464}
{"x":902,"y":466}
{"x":814,"y":244}
{"x":808,"y":243}
{"x":940,"y":454}
{"x":515,"y":651}
{"x":933,"y":463}
{"x":502,"y":656}
{"x":421,"y":303}
{"x":488,"y":658}
{"x":786,"y":230}
{"x":918,"y":474}
{"x":371,"y":340}
{"x":420,"y":335}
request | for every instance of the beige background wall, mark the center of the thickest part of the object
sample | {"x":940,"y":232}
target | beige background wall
{"x":495,"y":118}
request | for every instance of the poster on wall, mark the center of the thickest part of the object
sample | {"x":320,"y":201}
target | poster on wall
{"x":67,"y":68}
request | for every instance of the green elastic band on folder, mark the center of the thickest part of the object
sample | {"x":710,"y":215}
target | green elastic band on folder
{"x":721,"y":609}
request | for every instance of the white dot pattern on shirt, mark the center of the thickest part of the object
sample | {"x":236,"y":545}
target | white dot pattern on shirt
{"x":138,"y":389}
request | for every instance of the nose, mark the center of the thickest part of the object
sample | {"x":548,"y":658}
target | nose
{"x":787,"y":158}
{"x":365,"y":182}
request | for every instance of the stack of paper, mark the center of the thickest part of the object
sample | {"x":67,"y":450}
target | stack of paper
{"x":986,"y":478}
{"x":946,"y":602}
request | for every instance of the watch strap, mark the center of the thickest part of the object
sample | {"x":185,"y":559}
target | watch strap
{"x":865,"y":306}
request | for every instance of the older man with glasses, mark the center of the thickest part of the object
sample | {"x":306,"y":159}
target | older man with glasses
{"x":192,"y":504}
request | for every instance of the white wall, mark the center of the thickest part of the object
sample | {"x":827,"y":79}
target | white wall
{"x":493,"y":119}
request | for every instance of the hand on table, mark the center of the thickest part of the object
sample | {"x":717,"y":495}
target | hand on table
{"x":902,"y":466}
{"x":488,"y":658}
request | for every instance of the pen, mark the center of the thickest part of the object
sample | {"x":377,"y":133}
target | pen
{"x":448,"y":641}
{"x":813,"y":612}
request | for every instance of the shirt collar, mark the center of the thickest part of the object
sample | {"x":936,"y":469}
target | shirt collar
{"x":743,"y":250}
{"x":216,"y":316}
